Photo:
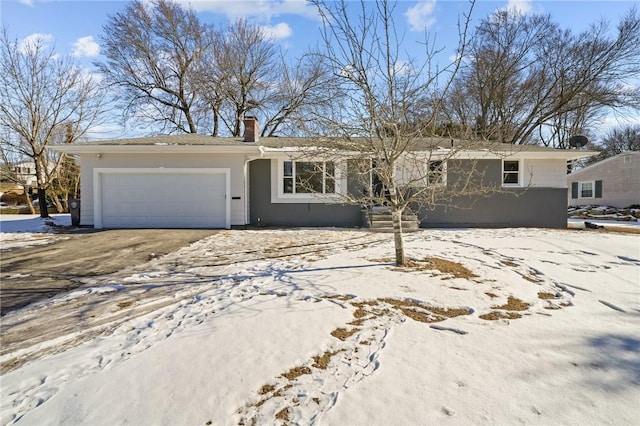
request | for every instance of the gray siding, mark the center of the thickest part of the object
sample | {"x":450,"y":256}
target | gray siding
{"x":292,"y":214}
{"x":533,"y":207}
{"x":507,"y":207}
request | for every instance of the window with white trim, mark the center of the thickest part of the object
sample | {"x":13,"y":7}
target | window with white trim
{"x":308,"y":177}
{"x":586,"y":189}
{"x":511,"y":172}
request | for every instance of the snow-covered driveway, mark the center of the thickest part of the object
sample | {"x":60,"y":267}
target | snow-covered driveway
{"x":316,"y":326}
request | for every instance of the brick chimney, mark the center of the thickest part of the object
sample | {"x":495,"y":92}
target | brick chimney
{"x":251,"y":129}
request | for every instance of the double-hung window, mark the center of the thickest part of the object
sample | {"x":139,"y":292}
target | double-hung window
{"x":309,"y":177}
{"x":511,"y":172}
{"x":586,"y":189}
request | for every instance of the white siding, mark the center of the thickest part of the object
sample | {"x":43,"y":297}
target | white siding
{"x":234,"y":162}
{"x":545,"y":173}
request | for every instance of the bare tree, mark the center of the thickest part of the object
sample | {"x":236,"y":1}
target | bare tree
{"x":383,"y":125}
{"x":301,"y":86}
{"x":249,"y":66}
{"x":526,"y":77}
{"x":152,"y":51}
{"x":44,"y":100}
{"x":618,"y":140}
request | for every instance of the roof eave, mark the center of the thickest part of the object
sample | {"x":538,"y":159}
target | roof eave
{"x":151,"y":149}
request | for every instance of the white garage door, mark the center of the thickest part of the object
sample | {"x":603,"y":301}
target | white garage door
{"x":162,"y":199}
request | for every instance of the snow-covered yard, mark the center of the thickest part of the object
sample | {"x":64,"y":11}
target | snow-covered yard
{"x":519,"y":326}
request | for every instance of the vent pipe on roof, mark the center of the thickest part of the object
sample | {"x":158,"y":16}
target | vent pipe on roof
{"x":251,"y":129}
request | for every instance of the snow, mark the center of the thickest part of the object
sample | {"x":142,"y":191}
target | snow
{"x":23,"y":230}
{"x":207,"y":333}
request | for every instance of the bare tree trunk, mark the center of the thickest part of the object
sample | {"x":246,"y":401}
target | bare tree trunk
{"x":396,"y":216}
{"x":42,"y":203}
{"x":29,"y":203}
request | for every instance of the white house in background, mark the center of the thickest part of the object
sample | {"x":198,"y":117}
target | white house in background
{"x":25,"y":173}
{"x":612,"y":182}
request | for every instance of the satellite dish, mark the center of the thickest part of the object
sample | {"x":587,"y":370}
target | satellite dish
{"x":578,"y":141}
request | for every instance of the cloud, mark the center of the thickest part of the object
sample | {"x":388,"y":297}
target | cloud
{"x":262,"y":9}
{"x":30,"y":41}
{"x":420,"y":16}
{"x":278,"y":31}
{"x":519,"y":6}
{"x":86,"y":46}
{"x":27,"y":2}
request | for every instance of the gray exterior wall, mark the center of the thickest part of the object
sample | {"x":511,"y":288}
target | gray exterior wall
{"x":292,"y":214}
{"x":507,"y":207}
{"x":532,"y":207}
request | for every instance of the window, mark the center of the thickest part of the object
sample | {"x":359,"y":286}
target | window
{"x":436,"y":172}
{"x":308,"y":177}
{"x":585,"y":189}
{"x":510,"y":172}
{"x":588,"y":189}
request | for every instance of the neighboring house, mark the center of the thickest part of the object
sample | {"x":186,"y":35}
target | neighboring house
{"x":613,"y":182}
{"x":25,"y":173}
{"x":196,"y":181}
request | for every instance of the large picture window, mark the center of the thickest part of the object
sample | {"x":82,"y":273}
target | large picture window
{"x":511,"y":172}
{"x":309,"y":177}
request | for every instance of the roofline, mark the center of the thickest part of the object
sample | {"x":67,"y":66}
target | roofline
{"x":560,"y":154}
{"x":512,"y":152}
{"x":147,"y":149}
{"x":606,"y":160}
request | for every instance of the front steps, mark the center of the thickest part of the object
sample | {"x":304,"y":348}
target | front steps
{"x":378,"y":219}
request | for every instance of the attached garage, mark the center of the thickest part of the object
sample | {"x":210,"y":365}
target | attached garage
{"x":161,"y":198}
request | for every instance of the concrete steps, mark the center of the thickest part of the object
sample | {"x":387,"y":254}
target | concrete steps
{"x":378,"y":219}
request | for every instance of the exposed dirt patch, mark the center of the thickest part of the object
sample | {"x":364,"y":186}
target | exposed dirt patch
{"x":509,"y":263}
{"x":497,"y":315}
{"x":444,"y":266}
{"x":296,"y":372}
{"x":126,"y":304}
{"x":449,"y":267}
{"x":343,"y":334}
{"x":265,"y":389}
{"x":322,"y":362}
{"x":283,"y":415}
{"x":491,"y":295}
{"x":513,"y":304}
{"x":546,"y":296}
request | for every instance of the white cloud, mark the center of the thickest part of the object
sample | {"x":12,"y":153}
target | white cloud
{"x":420,"y":16}
{"x":27,"y":2}
{"x":519,"y":6}
{"x":263,"y":9}
{"x":86,"y":46}
{"x":278,"y":31}
{"x":30,"y":41}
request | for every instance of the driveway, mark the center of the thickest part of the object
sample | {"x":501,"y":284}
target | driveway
{"x":30,"y":274}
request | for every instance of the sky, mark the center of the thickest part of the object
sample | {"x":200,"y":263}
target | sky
{"x":74,"y":27}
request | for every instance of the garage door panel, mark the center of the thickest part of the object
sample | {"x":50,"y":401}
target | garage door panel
{"x":164,"y":200}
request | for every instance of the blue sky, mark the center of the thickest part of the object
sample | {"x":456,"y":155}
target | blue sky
{"x":74,"y":26}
